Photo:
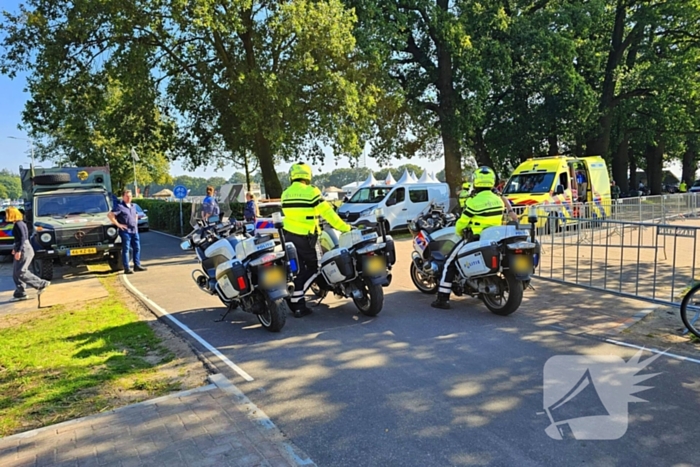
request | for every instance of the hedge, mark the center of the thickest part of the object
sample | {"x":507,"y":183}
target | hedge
{"x":165,"y":215}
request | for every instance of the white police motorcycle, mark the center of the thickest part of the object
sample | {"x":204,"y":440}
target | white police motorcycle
{"x":495,"y":268}
{"x":253,"y":272}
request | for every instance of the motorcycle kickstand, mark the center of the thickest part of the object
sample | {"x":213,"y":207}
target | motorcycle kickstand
{"x":228,"y":310}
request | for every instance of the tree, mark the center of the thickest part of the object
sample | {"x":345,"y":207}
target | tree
{"x":276,"y":78}
{"x":10,"y":185}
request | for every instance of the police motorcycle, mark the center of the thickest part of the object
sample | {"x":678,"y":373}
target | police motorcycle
{"x":495,"y":268}
{"x":356,"y":265}
{"x":253,"y":272}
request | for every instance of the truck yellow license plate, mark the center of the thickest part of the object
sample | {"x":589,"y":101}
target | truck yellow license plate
{"x":521,"y":263}
{"x":82,"y":251}
{"x":376,"y":265}
{"x":272,"y":277}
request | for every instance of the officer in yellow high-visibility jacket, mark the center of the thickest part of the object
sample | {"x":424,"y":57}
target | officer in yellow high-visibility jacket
{"x":464,"y":194}
{"x":482,"y":210}
{"x":302,"y":204}
{"x":683,"y":187}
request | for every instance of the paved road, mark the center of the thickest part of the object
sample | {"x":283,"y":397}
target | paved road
{"x":418,"y":386}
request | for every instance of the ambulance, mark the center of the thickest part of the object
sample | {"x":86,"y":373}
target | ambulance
{"x":564,"y":189}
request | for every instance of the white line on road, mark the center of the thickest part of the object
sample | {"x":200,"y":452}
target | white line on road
{"x":184,"y":327}
{"x":657,"y":351}
{"x":166,"y":234}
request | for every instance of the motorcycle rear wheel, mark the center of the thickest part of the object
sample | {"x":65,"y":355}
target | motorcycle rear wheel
{"x":509,"y":300}
{"x":427,"y":287}
{"x":372,"y":300}
{"x":275,"y":315}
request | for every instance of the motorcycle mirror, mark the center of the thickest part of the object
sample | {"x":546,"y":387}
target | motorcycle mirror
{"x":532,"y":214}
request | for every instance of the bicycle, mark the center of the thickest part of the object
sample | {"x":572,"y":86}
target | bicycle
{"x":690,"y":310}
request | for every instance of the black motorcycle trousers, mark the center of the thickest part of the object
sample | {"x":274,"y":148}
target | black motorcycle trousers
{"x":307,"y":252}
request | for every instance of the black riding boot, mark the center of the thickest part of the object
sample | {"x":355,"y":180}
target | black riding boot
{"x":442,"y":302}
{"x":299,"y":309}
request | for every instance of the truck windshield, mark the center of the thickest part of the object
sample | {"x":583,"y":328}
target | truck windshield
{"x":61,"y":205}
{"x":369,"y":195}
{"x":530,"y":183}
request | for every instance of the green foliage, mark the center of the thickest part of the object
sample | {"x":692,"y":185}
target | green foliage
{"x":10,"y":185}
{"x":165,"y":215}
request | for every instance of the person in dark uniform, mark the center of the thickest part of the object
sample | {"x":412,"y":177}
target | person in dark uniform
{"x":125,"y":217}
{"x":302,"y":204}
{"x":482,"y":210}
{"x":23,"y":254}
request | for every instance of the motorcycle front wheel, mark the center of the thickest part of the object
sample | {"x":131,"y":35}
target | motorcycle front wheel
{"x":426,"y":286}
{"x":372,"y":300}
{"x":508,"y":299}
{"x":275,"y":315}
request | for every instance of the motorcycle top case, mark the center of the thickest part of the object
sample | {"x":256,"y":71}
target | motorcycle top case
{"x":337,"y":266}
{"x":232,"y":279}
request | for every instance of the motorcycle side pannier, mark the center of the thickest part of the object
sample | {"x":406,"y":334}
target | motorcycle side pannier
{"x":390,"y":251}
{"x":337,"y":266}
{"x":483,"y":260}
{"x":232,"y":279}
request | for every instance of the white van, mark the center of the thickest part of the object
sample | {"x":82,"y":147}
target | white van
{"x":401,"y":203}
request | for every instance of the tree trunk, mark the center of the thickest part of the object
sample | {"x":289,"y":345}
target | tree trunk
{"x":481,"y":152}
{"x":655,"y":167}
{"x":447,"y":114}
{"x":599,"y":143}
{"x":247,"y":170}
{"x":620,"y":165}
{"x":633,"y":170}
{"x":263,"y":151}
{"x":690,"y":163}
{"x":553,"y":144}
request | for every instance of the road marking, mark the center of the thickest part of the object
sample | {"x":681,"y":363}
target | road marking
{"x":167,"y":234}
{"x":657,"y":351}
{"x":184,"y":327}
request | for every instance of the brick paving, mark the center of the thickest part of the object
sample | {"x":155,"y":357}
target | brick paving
{"x":215,"y":425}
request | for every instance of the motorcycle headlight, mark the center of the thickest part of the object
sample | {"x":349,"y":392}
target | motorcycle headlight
{"x":111,"y":231}
{"x":45,"y":237}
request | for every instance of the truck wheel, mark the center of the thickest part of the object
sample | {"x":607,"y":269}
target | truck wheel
{"x":52,"y":179}
{"x":43,"y":268}
{"x":115,"y":263}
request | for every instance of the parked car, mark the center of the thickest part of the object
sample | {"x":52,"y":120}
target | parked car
{"x":143,"y":218}
{"x":696,"y":187}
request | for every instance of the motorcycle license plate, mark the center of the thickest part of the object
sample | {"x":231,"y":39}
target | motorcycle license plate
{"x":82,"y":251}
{"x":272,"y":277}
{"x":375,"y":265}
{"x":522,"y":263}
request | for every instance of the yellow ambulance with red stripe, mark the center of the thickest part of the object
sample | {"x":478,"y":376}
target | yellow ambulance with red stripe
{"x":564,"y":189}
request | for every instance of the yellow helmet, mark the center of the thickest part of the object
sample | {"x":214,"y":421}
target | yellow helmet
{"x":466,"y":185}
{"x":300,"y":171}
{"x":484,"y":177}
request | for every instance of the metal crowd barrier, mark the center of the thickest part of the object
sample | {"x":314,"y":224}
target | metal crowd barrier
{"x":651,"y":261}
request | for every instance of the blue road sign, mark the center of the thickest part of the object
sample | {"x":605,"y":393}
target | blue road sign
{"x":180,"y":192}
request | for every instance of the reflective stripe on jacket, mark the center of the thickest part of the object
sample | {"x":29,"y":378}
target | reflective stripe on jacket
{"x":483,"y":210}
{"x":302,"y":205}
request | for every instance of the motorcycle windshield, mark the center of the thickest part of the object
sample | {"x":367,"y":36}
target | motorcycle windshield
{"x":213,"y":209}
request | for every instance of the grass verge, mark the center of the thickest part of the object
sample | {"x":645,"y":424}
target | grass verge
{"x":72,"y":361}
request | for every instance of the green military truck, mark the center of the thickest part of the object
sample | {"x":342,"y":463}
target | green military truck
{"x":66,"y":210}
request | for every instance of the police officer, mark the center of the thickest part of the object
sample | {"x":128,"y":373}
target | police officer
{"x":464,"y":194}
{"x":482,"y":210}
{"x":302,"y":204}
{"x":683,"y":187}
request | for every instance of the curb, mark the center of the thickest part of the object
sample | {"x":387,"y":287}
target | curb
{"x":68,"y":423}
{"x":262,"y":422}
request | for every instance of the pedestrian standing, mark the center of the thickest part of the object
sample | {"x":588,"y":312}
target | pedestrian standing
{"x":125,"y":217}
{"x":23,"y":254}
{"x":210,"y":208}
{"x":250,"y":212}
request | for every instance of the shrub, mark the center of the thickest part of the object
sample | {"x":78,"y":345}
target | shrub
{"x":165,"y":215}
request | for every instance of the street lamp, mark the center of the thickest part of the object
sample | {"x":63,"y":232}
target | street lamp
{"x":135,"y":159}
{"x":31,"y":145}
